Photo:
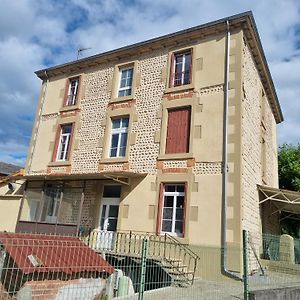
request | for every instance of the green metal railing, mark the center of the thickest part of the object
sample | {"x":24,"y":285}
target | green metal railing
{"x":172,"y":255}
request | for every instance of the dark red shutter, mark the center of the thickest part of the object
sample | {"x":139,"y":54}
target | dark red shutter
{"x":77,"y":92}
{"x":178,"y":131}
{"x":70,"y":141}
{"x":56,"y":143}
{"x":66,"y":92}
{"x":159,"y":208}
{"x":172,"y":70}
{"x":184,"y":209}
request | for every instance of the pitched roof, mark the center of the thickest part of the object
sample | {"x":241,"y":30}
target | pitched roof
{"x":48,"y":253}
{"x":243,"y":20}
{"x":8,"y":169}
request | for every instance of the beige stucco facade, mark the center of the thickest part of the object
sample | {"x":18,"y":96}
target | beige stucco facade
{"x":201,"y":168}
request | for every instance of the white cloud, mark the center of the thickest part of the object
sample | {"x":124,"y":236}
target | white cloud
{"x":35,"y":33}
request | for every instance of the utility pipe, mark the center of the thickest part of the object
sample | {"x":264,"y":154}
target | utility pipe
{"x":39,"y":122}
{"x":224,"y":249}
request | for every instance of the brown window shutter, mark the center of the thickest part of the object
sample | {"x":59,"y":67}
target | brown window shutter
{"x":184,"y":209}
{"x":70,"y":142}
{"x":78,"y":90}
{"x":178,"y":131}
{"x":66,"y":92}
{"x":159,"y":208}
{"x":56,"y":143}
{"x":172,"y":70}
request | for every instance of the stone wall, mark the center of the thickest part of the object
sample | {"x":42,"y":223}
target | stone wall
{"x":253,"y":131}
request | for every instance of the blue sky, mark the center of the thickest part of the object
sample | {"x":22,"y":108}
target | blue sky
{"x":35,"y":34}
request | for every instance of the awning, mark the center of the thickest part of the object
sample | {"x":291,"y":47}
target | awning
{"x":118,"y":176}
{"x":48,"y":253}
{"x":284,"y":200}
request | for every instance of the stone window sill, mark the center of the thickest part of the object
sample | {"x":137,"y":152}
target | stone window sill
{"x":59,"y":164}
{"x":113,"y":160}
{"x":175,"y":156}
{"x":69,"y":107}
{"x":121,"y":99}
{"x":180,"y":88}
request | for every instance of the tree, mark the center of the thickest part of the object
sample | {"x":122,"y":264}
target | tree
{"x":289,"y":167}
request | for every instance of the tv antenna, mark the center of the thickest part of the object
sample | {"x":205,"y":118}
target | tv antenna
{"x":81,"y":50}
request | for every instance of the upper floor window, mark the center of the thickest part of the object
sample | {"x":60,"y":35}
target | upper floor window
{"x":119,"y":133}
{"x":125,"y":86}
{"x":64,"y":142}
{"x":181,"y":67}
{"x":72,"y":89}
{"x":178,"y":130}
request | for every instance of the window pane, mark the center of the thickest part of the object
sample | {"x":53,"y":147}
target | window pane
{"x":112,"y":191}
{"x":123,"y":83}
{"x":169,"y":201}
{"x":116,"y":123}
{"x":123,"y":139}
{"x":112,"y":225}
{"x":168,"y":213}
{"x":179,"y":214}
{"x":122,"y":93}
{"x":122,"y":152}
{"x":114,"y":140}
{"x":103,"y":211}
{"x":180,"y":188}
{"x":166,"y":226}
{"x":113,"y":152}
{"x":66,"y":129}
{"x":113,"y":211}
{"x":179,"y":228}
{"x":125,"y":122}
{"x":169,"y":188}
{"x":180,"y":201}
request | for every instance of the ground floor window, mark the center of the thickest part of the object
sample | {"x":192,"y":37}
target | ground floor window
{"x":173,"y":200}
{"x":52,"y":202}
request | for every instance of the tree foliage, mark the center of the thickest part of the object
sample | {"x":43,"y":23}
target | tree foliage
{"x":289,"y":167}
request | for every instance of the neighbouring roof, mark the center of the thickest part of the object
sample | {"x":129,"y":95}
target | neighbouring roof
{"x":8,"y":169}
{"x":244,"y":20}
{"x":49,"y":253}
{"x":284,"y":200}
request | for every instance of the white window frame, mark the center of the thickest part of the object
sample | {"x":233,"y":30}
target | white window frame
{"x":60,"y":145}
{"x":71,"y":97}
{"x":183,"y":67}
{"x":118,"y":131}
{"x":128,"y":87}
{"x":175,"y":195}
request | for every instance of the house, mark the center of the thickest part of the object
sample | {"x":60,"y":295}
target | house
{"x":170,"y":135}
{"x":8,"y":169}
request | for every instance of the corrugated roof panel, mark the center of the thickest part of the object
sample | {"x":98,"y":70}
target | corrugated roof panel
{"x":45,"y":253}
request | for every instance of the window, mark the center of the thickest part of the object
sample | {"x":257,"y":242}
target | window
{"x":72,"y":88}
{"x":178,"y":130}
{"x":119,"y":134}
{"x":64,"y":142}
{"x":125,"y":87}
{"x":173,"y":209}
{"x":46,"y":203}
{"x":181,"y":68}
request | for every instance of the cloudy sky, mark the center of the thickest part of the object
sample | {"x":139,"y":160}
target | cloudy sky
{"x":35,"y":34}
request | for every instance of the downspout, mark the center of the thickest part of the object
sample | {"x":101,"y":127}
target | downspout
{"x":224,"y":249}
{"x":39,"y":122}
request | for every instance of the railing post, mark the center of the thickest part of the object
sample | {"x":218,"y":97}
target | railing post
{"x":130,"y":236}
{"x":143,"y":269}
{"x":245,"y":263}
{"x":165,"y":245}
